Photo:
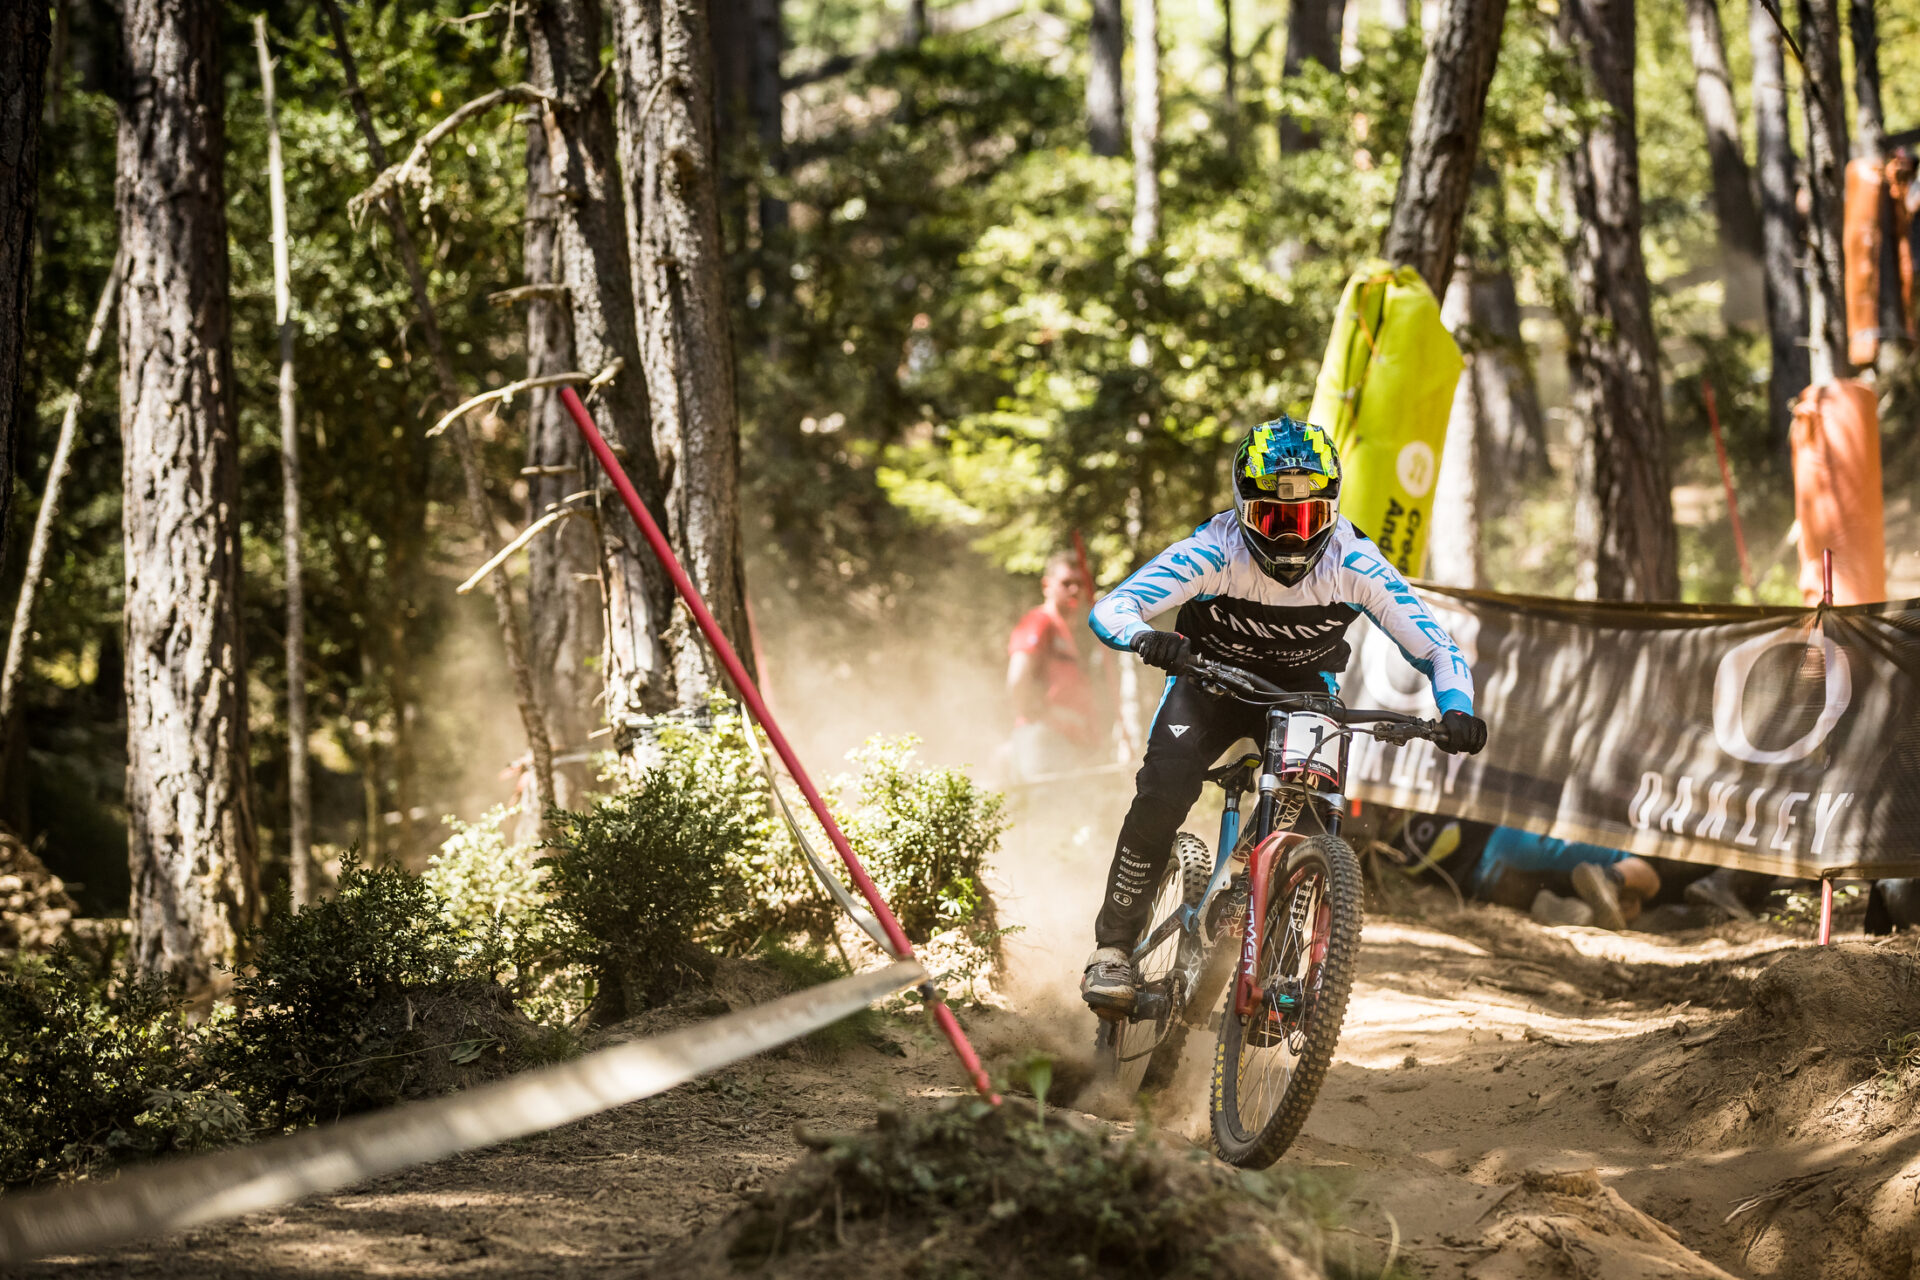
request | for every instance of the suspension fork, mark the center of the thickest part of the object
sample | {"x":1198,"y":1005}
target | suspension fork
{"x":1268,"y":857}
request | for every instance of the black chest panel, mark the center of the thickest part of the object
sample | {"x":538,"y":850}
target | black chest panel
{"x":1280,"y":642}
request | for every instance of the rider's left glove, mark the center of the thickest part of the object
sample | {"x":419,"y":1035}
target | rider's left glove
{"x":1461,"y":732}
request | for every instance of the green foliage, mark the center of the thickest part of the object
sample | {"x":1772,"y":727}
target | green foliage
{"x":366,"y":998}
{"x":635,"y":878}
{"x":924,"y":834}
{"x":91,"y":1076}
{"x":494,"y":892}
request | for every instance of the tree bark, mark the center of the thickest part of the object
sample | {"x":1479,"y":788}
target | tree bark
{"x":748,"y":39}
{"x":473,"y":478}
{"x":25,"y":36}
{"x":1623,"y":513}
{"x":190,"y":817}
{"x":1146,"y":124}
{"x":1826,"y":112}
{"x":1870,"y":138}
{"x":22,"y":634}
{"x":299,"y":784}
{"x":1512,"y":440}
{"x":1106,"y":99}
{"x":1737,"y":220}
{"x":1781,"y":232}
{"x":1229,"y":61}
{"x":1437,"y":177}
{"x":592,"y":260}
{"x":673,"y":235}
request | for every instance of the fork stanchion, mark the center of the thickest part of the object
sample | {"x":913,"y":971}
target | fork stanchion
{"x":750,"y":695}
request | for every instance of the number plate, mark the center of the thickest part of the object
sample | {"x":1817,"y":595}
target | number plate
{"x":1312,"y":747}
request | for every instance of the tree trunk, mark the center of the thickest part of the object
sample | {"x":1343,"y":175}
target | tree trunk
{"x":1453,"y":549}
{"x":591,"y":259}
{"x":1826,"y":111}
{"x":190,"y":818}
{"x":23,"y":609}
{"x":1437,"y":176}
{"x":1512,"y":440}
{"x":748,"y":39}
{"x":299,"y":785}
{"x":1870,"y":140}
{"x":473,"y":478}
{"x":1229,"y":61}
{"x":1743,"y":300}
{"x":1781,"y":232}
{"x":1146,"y":124}
{"x":1623,"y":512}
{"x":25,"y":34}
{"x":673,"y":235}
{"x":1106,"y":51}
{"x":1313,"y":35}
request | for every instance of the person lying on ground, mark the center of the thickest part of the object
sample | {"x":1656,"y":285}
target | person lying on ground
{"x":1558,"y":882}
{"x":1270,"y":586}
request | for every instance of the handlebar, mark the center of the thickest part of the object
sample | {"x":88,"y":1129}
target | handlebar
{"x":1387,"y":726}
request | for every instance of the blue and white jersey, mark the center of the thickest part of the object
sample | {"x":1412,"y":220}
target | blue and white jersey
{"x":1233,"y":612}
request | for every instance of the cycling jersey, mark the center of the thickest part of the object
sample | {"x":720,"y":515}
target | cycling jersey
{"x":1232,"y":612}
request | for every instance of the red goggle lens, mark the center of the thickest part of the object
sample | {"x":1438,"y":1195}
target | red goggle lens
{"x":1302,"y":520}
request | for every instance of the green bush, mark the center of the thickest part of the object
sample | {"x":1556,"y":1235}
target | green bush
{"x":767,"y":890}
{"x":636,"y":879}
{"x":367,"y":998}
{"x":495,"y":891}
{"x":91,"y":1075}
{"x":924,"y":834}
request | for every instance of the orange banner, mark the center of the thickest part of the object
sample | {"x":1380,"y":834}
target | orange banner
{"x":1862,"y":245}
{"x":1836,"y":491}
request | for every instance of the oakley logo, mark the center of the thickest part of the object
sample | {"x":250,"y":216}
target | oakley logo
{"x":1730,"y":687}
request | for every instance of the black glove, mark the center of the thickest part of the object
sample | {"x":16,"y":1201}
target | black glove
{"x":1461,"y":732}
{"x":1167,"y":650}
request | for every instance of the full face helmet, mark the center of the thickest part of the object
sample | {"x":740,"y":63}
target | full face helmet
{"x":1286,"y":492}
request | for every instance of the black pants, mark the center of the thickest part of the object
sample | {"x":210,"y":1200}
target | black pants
{"x":1190,"y":732}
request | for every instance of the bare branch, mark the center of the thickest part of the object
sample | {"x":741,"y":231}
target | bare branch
{"x":417,"y":167}
{"x":527,"y":535}
{"x":528,"y":293}
{"x":507,"y":392}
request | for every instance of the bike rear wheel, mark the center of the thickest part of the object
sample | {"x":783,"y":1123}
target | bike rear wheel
{"x":1123,"y":1047}
{"x":1270,"y":1063}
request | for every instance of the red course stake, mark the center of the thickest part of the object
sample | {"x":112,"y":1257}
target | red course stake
{"x":764,"y":718}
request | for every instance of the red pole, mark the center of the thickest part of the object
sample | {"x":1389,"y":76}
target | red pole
{"x":1826,"y":911}
{"x":1826,"y":576}
{"x":1726,"y":478}
{"x":750,"y":695}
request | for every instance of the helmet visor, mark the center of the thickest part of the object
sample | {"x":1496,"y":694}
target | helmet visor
{"x":1271,"y":518}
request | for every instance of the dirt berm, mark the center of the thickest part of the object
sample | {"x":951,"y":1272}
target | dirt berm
{"x":1819,"y":1077}
{"x":973,"y":1191}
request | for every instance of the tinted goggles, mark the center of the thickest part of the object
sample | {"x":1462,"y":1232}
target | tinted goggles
{"x":1274,"y":519}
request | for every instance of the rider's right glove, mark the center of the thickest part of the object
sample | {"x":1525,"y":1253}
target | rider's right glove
{"x":1461,"y":732}
{"x":1167,"y":650}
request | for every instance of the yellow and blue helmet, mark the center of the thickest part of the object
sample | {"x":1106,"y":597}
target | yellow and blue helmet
{"x":1286,"y":492}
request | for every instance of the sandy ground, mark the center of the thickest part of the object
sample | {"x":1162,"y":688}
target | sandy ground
{"x":1479,"y":1079}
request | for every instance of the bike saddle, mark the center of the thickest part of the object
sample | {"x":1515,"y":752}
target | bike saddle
{"x":1241,"y":773}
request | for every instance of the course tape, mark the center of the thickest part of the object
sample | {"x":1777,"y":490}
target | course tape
{"x":169,"y":1196}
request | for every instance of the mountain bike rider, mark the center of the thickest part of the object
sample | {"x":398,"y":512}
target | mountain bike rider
{"x":1270,"y":586}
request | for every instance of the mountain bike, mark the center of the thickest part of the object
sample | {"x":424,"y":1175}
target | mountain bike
{"x":1270,"y":920}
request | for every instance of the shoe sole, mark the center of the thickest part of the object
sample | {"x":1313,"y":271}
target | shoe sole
{"x":1102,"y":1003}
{"x":1591,"y":883}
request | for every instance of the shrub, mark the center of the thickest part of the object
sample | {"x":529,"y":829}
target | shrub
{"x":91,"y":1075}
{"x":767,"y":890}
{"x":635,"y":880}
{"x":924,"y":834}
{"x":367,"y":998}
{"x":494,"y":891}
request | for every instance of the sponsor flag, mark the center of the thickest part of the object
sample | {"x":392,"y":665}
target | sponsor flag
{"x":1776,"y":740}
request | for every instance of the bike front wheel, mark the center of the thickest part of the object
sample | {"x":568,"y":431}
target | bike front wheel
{"x":1271,"y":1060}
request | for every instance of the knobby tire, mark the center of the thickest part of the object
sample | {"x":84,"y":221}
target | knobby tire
{"x":1256,"y":1142}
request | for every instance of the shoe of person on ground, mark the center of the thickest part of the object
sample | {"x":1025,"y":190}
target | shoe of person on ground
{"x":1714,"y":891}
{"x":1107,"y":984}
{"x":1599,"y":887}
{"x":1550,"y":908}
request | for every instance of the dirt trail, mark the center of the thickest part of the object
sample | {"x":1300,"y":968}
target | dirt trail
{"x":1487,"y":1066}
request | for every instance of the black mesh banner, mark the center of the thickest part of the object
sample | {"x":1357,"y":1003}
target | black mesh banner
{"x":1777,"y":740}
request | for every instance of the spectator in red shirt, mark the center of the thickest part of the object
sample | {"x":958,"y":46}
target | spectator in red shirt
{"x":1056,"y":724}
